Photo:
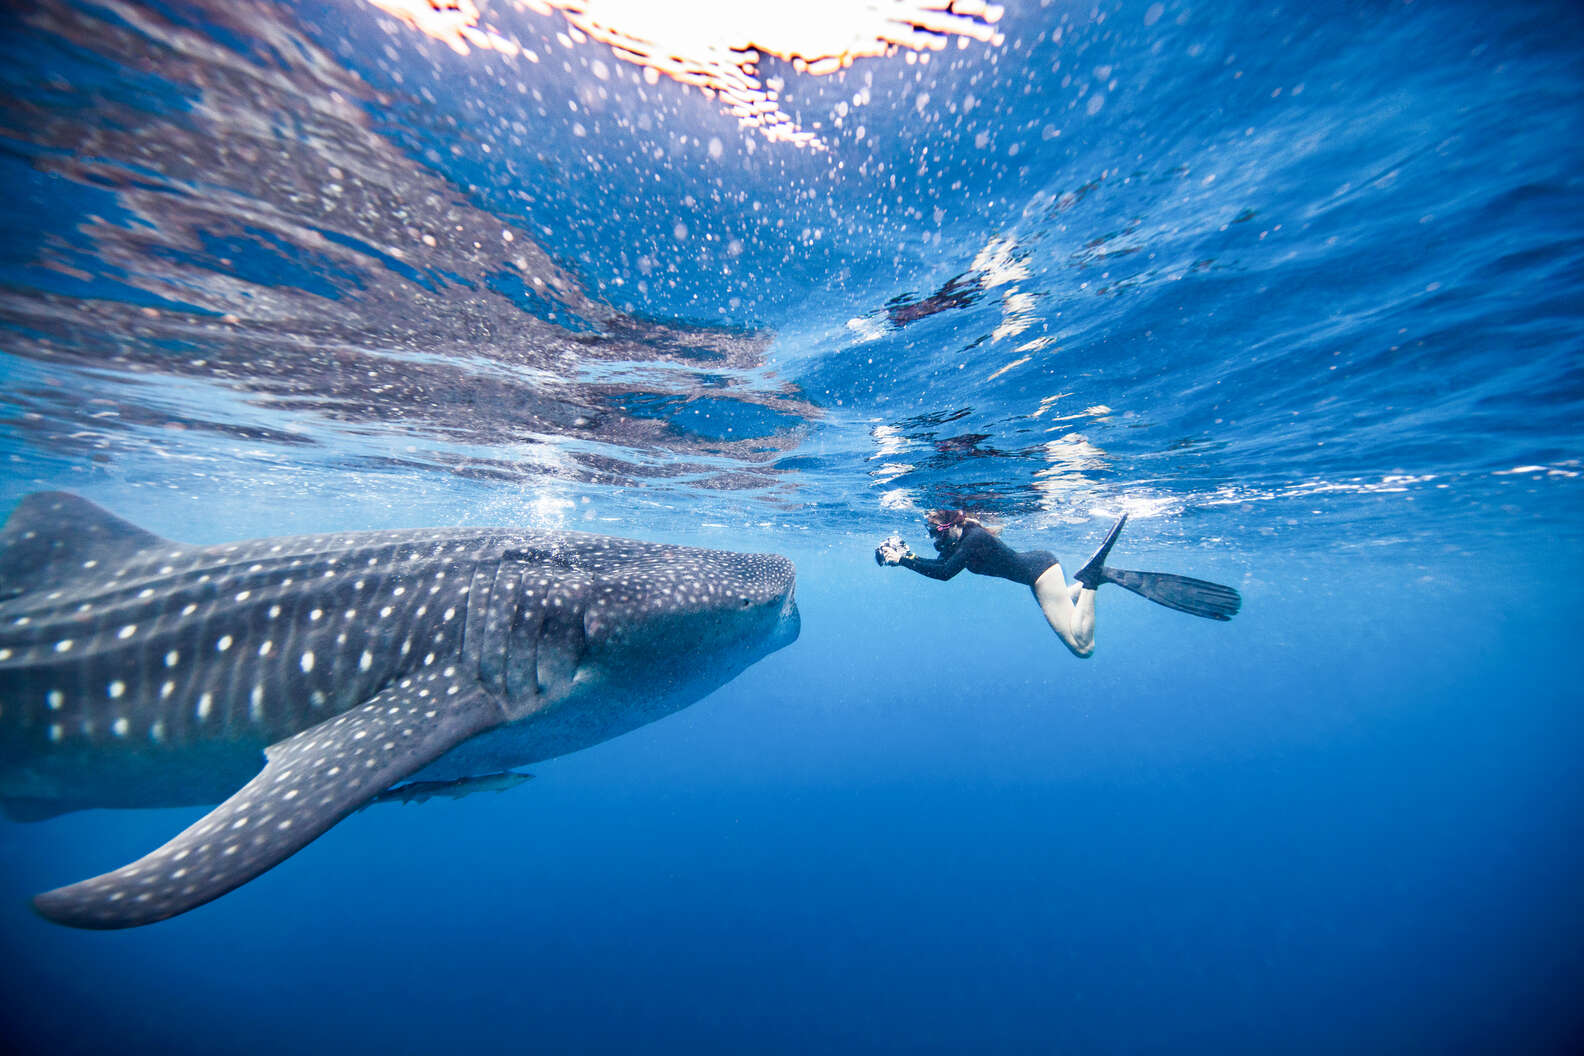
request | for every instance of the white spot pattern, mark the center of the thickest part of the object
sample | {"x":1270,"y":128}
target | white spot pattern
{"x":349,"y":758}
{"x":631,"y":580}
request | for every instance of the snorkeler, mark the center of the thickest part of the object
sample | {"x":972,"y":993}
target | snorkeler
{"x":964,"y":542}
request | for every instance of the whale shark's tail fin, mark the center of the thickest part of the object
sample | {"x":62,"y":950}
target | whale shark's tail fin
{"x":53,"y":536}
{"x":1199,"y":597}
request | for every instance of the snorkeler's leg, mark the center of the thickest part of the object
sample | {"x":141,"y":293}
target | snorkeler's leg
{"x":1070,"y":614}
{"x":1083,"y":603}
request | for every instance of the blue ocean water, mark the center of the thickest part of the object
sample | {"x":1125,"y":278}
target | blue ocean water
{"x":1295,"y":285}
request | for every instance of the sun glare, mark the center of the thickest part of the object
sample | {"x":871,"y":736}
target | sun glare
{"x":717,"y":45}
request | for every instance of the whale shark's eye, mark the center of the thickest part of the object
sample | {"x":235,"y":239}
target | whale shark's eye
{"x":746,"y":602}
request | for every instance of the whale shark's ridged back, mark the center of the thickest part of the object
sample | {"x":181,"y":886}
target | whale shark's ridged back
{"x":54,"y":536}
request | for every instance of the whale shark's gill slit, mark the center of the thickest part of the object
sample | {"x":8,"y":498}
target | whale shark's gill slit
{"x":491,"y":627}
{"x":561,"y":645}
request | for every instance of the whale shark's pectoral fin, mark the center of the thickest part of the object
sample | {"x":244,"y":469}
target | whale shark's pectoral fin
{"x":311,"y":781}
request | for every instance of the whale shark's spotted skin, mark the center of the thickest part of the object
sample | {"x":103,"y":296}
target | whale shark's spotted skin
{"x":139,"y":672}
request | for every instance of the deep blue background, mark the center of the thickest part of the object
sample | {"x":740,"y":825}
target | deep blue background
{"x":1349,"y":820}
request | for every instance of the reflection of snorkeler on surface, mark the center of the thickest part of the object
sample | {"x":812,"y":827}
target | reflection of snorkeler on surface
{"x":964,"y":542}
{"x":960,"y":292}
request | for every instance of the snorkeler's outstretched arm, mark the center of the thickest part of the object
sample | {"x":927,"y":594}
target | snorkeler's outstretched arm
{"x":942,"y":568}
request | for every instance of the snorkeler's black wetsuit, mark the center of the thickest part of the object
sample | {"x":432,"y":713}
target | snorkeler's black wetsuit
{"x":980,"y":551}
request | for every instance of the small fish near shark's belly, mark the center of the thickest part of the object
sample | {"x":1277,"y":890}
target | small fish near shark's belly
{"x":135,"y":671}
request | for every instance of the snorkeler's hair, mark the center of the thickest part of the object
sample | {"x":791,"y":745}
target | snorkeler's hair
{"x":958,"y":518}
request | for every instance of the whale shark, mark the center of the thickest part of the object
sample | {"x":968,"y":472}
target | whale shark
{"x":294,"y":680}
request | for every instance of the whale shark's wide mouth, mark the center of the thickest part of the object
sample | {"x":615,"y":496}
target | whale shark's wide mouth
{"x":791,"y":622}
{"x":788,"y":620}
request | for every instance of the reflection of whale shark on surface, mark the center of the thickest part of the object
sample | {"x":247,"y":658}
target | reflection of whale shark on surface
{"x":139,"y":672}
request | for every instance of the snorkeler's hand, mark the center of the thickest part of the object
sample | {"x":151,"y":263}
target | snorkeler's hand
{"x":892,"y":551}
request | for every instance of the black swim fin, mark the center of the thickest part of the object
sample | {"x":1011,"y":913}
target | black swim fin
{"x":1197,"y":597}
{"x":1092,"y":574}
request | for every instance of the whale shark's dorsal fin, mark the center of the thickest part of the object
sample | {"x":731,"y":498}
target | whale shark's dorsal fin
{"x":53,"y":536}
